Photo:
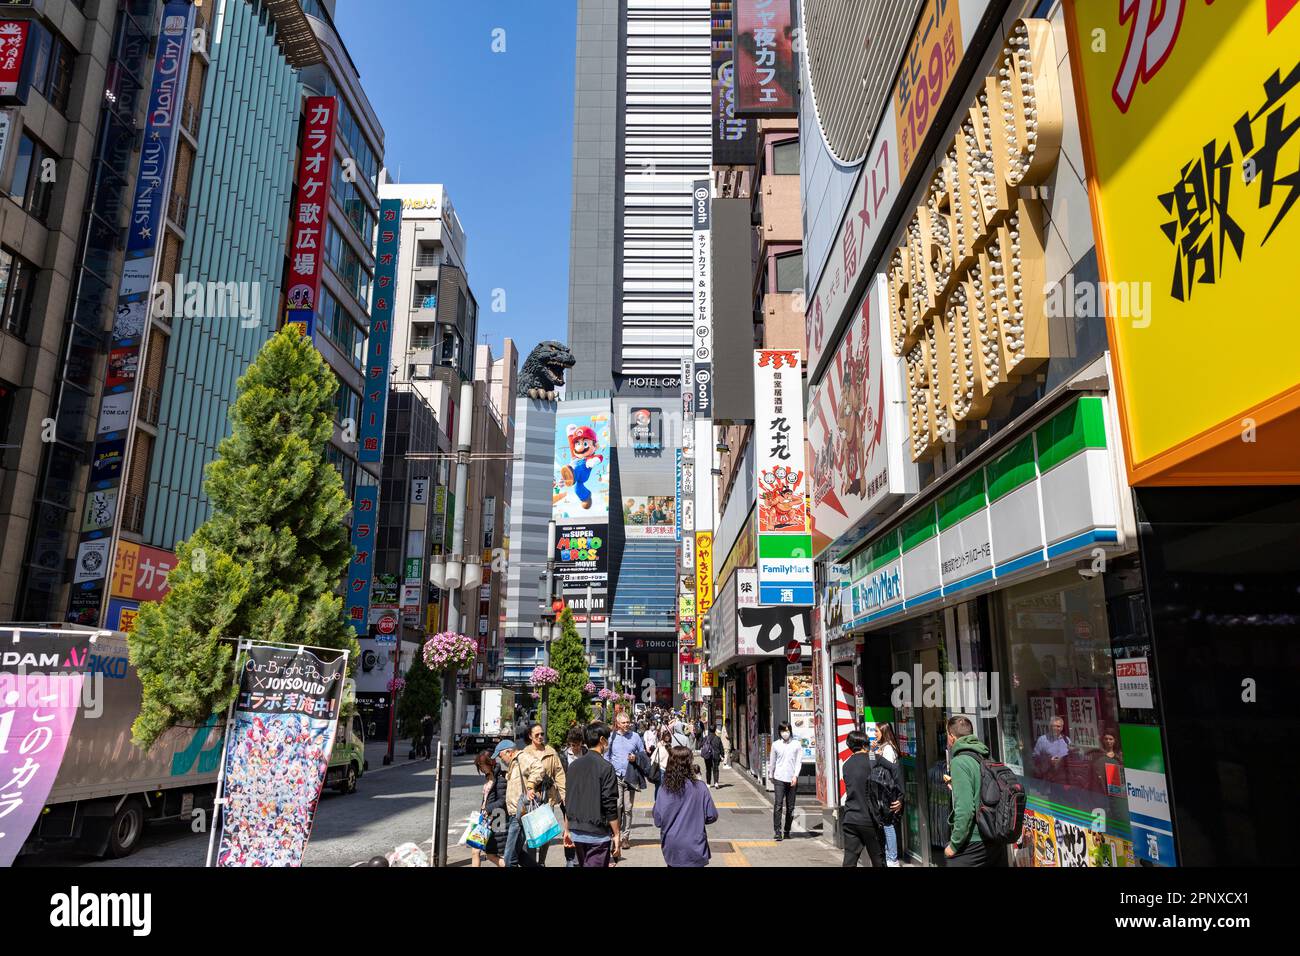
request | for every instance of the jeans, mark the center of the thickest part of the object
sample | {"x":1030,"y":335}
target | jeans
{"x":891,"y":844}
{"x":784,"y":794}
{"x":514,"y":841}
{"x":859,"y":837}
{"x":627,"y":803}
{"x":711,"y":771}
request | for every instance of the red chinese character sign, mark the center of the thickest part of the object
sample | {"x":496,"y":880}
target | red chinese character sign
{"x":13,"y":44}
{"x":311,"y":211}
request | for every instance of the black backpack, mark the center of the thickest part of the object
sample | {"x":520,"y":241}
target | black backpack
{"x":882,"y":791}
{"x":1000,"y":813}
{"x":706,"y":748}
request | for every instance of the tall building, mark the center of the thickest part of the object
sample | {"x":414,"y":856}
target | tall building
{"x":57,"y":235}
{"x":641,"y":139}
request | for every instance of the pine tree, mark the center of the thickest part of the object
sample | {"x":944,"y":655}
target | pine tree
{"x":568,"y":698}
{"x":267,"y":564}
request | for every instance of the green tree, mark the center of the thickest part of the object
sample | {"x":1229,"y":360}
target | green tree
{"x":568,"y":699}
{"x":267,"y":564}
{"x":421,"y":695}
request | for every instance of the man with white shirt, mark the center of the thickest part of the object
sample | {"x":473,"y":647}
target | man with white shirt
{"x":783,"y":765}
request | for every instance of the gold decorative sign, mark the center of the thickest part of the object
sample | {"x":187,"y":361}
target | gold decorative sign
{"x":966,"y":295}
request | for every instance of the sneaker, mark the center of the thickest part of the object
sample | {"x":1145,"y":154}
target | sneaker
{"x":777,"y":837}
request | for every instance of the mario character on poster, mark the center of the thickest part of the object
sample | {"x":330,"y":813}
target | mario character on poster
{"x":582,"y":483}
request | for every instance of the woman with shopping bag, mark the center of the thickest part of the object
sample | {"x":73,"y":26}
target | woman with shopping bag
{"x":479,"y":836}
{"x":535,"y":795}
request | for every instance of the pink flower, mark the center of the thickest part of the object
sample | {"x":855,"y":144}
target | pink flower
{"x":544,"y":676}
{"x":449,"y":651}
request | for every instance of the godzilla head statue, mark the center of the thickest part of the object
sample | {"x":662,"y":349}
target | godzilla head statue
{"x":543,"y":371}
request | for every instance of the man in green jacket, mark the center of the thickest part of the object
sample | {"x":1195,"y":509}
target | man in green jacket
{"x":965,"y":847}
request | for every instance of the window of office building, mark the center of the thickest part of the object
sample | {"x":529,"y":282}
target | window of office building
{"x":785,"y":158}
{"x":33,"y":180}
{"x":17,"y":280}
{"x":53,"y":64}
{"x":789,"y":272}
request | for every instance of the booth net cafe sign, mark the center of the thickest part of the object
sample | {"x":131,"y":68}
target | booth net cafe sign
{"x":966,"y":286}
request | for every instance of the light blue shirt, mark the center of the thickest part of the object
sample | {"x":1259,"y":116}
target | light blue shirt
{"x":620,"y":745}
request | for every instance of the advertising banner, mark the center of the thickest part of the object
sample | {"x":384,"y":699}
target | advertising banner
{"x":365,"y":518}
{"x":581,"y":556}
{"x":785,"y":572}
{"x":765,"y":631}
{"x":581,"y":486}
{"x":735,"y":138}
{"x":764,"y":51}
{"x":311,"y":212}
{"x":379,"y":361}
{"x":645,"y":429}
{"x":13,"y":46}
{"x":702,"y":286}
{"x":677,"y":500}
{"x":1192,"y":185}
{"x":703,"y":571}
{"x":140,"y":572}
{"x":37,"y":712}
{"x":277,"y":752}
{"x":927,"y":72}
{"x":856,"y":427}
{"x":650,"y":516}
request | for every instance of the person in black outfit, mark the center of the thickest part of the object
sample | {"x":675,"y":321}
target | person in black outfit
{"x":860,"y":827}
{"x":712,"y":752}
{"x":426,"y":737}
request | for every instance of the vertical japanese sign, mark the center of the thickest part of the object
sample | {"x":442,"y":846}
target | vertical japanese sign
{"x":764,"y":56}
{"x":1192,"y":179}
{"x":378,"y":360}
{"x":37,"y":712}
{"x":785,"y":571}
{"x":702,"y":286}
{"x":703,"y":572}
{"x":153,"y":183}
{"x":282,"y":732}
{"x":311,"y":213}
{"x":1148,"y":794}
{"x":13,"y":44}
{"x":365,"y":518}
{"x":677,"y":508}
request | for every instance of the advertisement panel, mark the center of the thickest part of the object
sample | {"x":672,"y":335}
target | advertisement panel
{"x":581,"y":556}
{"x":645,"y":429}
{"x":764,"y":52}
{"x":311,"y":213}
{"x":365,"y":517}
{"x":378,"y":360}
{"x":735,"y":138}
{"x":581,"y":485}
{"x":276,"y":754}
{"x":785,"y":573}
{"x":140,"y":572}
{"x":1193,"y":209}
{"x":765,"y":631}
{"x":702,"y":285}
{"x":703,"y":571}
{"x":925,"y":76}
{"x":13,"y":46}
{"x":650,"y":516}
{"x":856,"y":426}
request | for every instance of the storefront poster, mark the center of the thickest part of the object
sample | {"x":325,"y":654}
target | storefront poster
{"x":277,"y":753}
{"x":1042,"y":828}
{"x":1133,"y":680}
{"x":1193,"y":205}
{"x":1071,"y":844}
{"x":581,"y":482}
{"x":37,"y":712}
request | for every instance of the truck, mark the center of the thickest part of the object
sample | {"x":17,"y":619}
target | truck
{"x":483,"y":716}
{"x":107,"y":790}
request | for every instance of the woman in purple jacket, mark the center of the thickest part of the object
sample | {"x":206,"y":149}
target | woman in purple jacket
{"x":683,"y":809}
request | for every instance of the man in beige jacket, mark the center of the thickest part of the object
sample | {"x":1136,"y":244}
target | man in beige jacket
{"x":536,"y":774}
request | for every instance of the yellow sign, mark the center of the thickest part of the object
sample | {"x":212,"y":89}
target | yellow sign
{"x":928,"y":68}
{"x":703,"y":571}
{"x":1190,"y":119}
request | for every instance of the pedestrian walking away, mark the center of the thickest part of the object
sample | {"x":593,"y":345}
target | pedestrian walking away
{"x":683,"y":810}
{"x":426,"y":737}
{"x":783,"y":766}
{"x":485,"y":763}
{"x":887,"y":789}
{"x":625,"y":748}
{"x":965,"y":753}
{"x":591,"y":810}
{"x":536,"y":777}
{"x":711,"y":751}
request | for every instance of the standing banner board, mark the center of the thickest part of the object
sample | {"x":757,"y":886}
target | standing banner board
{"x":282,"y":733}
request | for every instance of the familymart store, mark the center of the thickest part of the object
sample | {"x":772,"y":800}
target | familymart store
{"x":1011,"y":593}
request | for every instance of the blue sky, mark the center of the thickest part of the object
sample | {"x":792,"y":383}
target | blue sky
{"x":506,"y":143}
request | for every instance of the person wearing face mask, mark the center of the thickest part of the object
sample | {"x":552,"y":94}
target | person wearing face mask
{"x":783,"y":765}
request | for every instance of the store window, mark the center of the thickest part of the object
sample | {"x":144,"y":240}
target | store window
{"x":1059,"y":720}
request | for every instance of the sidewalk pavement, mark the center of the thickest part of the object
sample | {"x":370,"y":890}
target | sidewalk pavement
{"x":742,"y":836}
